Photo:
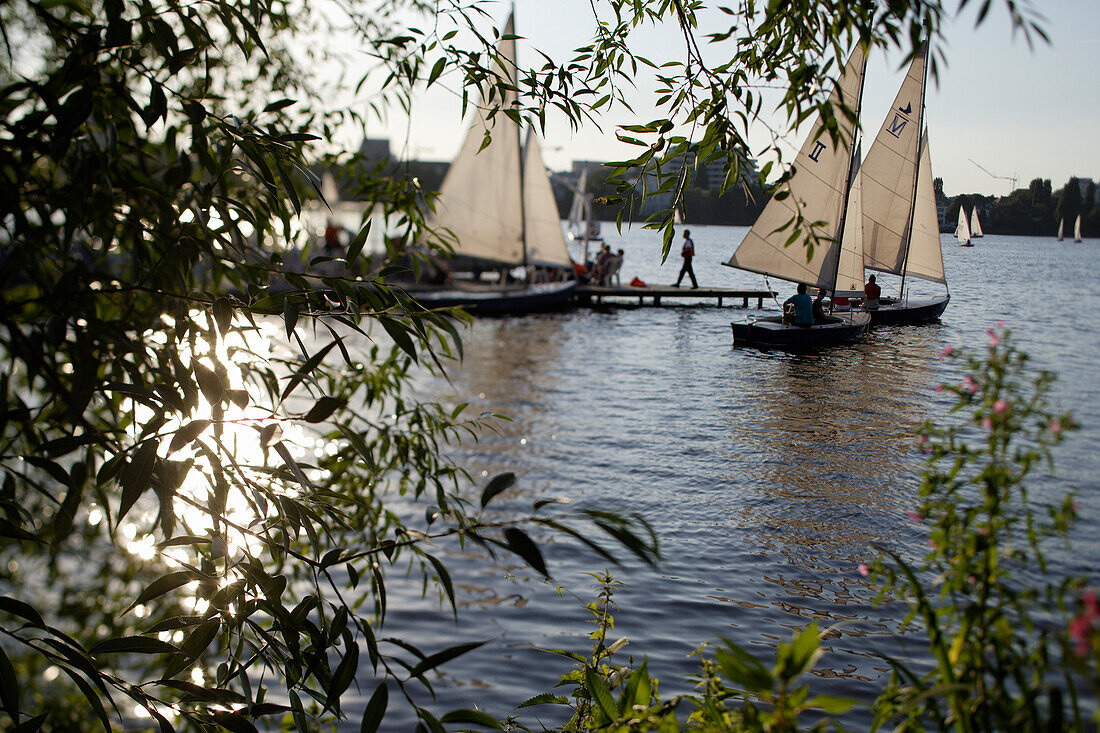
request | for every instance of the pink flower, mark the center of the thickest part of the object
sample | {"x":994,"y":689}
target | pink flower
{"x":983,"y":530}
{"x":1092,"y":608}
{"x":987,"y":422}
{"x":864,"y":570}
{"x":914,"y":516}
{"x":1055,"y":426}
{"x":947,"y":350}
{"x":922,"y":439}
{"x":994,"y":339}
{"x":939,"y":387}
{"x":969,"y":384}
{"x":999,"y":407}
{"x":1000,"y":325}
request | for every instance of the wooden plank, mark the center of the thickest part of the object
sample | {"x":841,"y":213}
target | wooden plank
{"x":598,"y":293}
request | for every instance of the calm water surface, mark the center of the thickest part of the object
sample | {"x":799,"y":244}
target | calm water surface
{"x":767,"y":476}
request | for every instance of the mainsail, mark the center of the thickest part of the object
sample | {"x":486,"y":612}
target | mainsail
{"x":925,"y":254}
{"x":818,"y":192}
{"x":1077,"y":229}
{"x":493,"y":200}
{"x":975,"y":225}
{"x":542,"y":223}
{"x":962,"y":231}
{"x":889,"y":175}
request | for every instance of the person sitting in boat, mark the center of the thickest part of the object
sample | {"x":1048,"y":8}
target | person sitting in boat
{"x":820,"y":316}
{"x":798,"y":310}
{"x":871,"y":291}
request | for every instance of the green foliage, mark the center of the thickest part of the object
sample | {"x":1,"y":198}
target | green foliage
{"x":205,"y":482}
{"x":995,"y":613}
{"x":736,"y":691}
{"x":210,"y":468}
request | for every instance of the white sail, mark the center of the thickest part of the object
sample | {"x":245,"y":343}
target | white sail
{"x":889,"y":175}
{"x":849,"y":273}
{"x":975,"y":225}
{"x":578,"y":212}
{"x":817,"y":191}
{"x":479,"y":201}
{"x":962,"y":231}
{"x":925,"y":254}
{"x":1077,"y":229}
{"x":1060,"y":223}
{"x":542,"y":223}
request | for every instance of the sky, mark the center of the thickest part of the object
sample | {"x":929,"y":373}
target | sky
{"x":1017,"y":113}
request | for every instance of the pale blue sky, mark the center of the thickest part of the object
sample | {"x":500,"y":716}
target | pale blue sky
{"x":1016,"y":112}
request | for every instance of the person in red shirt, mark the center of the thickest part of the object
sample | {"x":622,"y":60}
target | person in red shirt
{"x":872,"y":292}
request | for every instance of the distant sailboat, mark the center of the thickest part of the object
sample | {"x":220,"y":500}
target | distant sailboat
{"x":901,"y":233}
{"x":975,"y":225}
{"x":962,"y":231}
{"x":821,"y":190}
{"x":1077,"y":229}
{"x":499,"y":205}
{"x":1060,"y":223}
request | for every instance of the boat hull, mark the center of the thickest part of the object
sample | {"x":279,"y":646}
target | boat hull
{"x":913,"y":311}
{"x":772,"y":333}
{"x":501,"y":300}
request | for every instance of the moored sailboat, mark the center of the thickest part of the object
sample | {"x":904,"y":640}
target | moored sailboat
{"x":820,"y":197}
{"x":498,"y":205}
{"x":901,"y":234}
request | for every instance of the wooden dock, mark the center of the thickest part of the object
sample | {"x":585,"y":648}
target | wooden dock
{"x":589,"y":294}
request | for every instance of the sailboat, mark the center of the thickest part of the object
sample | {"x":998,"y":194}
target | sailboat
{"x":962,"y":231}
{"x":975,"y":225}
{"x":581,"y":224}
{"x":498,"y":205}
{"x":1060,"y":223}
{"x":901,"y":233}
{"x":821,"y":191}
{"x":1077,"y":229}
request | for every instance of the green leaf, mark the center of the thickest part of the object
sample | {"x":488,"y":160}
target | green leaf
{"x":356,"y":245}
{"x":830,"y":704}
{"x":186,"y":434}
{"x":210,"y":383}
{"x":434,"y":660}
{"x":9,"y":686}
{"x":223,"y":314}
{"x":524,"y":546}
{"x":290,"y":316}
{"x":133,"y":645}
{"x":743,"y":669}
{"x":400,"y":335}
{"x":376,"y":709}
{"x":343,"y":676}
{"x":499,"y":483}
{"x":600,"y":691}
{"x":437,"y":70}
{"x":471,"y":716}
{"x":137,"y":476}
{"x":322,"y":409}
{"x":165,"y":583}
{"x":21,"y":609}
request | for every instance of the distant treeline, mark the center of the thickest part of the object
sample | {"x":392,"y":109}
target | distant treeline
{"x":1036,"y":210}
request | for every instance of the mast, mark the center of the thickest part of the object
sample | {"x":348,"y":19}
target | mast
{"x":916,"y":171}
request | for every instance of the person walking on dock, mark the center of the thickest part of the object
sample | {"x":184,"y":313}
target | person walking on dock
{"x":687,"y":251}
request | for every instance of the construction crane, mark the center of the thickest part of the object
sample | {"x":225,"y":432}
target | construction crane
{"x":1012,"y":178}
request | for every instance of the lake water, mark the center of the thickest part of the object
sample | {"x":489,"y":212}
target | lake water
{"x":767,"y":476}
